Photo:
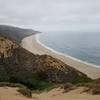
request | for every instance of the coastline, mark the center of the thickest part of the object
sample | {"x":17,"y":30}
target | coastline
{"x":66,"y":55}
{"x":33,"y":45}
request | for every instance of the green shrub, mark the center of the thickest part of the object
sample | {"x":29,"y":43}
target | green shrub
{"x":68,"y":87}
{"x":31,"y":80}
{"x":81,"y":80}
{"x":26,"y":92}
{"x":3,"y":84}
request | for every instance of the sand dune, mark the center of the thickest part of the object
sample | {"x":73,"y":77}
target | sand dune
{"x":7,"y":93}
{"x":57,"y":94}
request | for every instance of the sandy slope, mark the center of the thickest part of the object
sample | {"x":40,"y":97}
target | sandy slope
{"x":56,"y":94}
{"x":31,"y":44}
{"x":7,"y":93}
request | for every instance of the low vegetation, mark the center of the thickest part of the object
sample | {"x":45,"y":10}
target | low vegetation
{"x":93,"y":87}
{"x":68,"y":87}
{"x":81,"y":80}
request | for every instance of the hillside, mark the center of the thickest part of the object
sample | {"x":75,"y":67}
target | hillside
{"x":20,"y":66}
{"x":15,"y":33}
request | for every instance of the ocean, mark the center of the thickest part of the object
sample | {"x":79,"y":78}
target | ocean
{"x":84,"y":46}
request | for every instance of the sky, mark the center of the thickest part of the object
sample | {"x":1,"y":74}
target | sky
{"x":52,"y":15}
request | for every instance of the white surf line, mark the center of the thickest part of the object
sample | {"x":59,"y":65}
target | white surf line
{"x":33,"y":45}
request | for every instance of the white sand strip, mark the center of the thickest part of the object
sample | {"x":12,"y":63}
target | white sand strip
{"x":33,"y":45}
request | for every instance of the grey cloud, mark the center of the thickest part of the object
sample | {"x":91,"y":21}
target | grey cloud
{"x":47,"y":15}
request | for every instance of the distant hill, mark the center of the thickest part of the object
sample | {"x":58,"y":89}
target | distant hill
{"x":15,"y":33}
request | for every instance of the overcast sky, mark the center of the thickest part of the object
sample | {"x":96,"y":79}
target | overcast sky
{"x":52,"y":15}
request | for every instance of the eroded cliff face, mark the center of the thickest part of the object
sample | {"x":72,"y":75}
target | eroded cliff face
{"x":18,"y":63}
{"x":6,"y":47}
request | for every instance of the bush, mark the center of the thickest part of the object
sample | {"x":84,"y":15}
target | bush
{"x":26,"y":92}
{"x":34,"y":81}
{"x":81,"y":80}
{"x":67,"y":87}
{"x":3,"y":84}
{"x":94,"y":89}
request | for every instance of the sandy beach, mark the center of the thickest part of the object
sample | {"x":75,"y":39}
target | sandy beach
{"x":33,"y":45}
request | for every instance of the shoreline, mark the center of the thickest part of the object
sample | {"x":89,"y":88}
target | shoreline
{"x":33,"y":45}
{"x":66,"y":55}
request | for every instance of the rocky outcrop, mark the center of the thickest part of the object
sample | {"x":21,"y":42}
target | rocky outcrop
{"x":6,"y":47}
{"x":16,"y":61}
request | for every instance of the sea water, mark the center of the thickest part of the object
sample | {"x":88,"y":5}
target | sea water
{"x":84,"y":46}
